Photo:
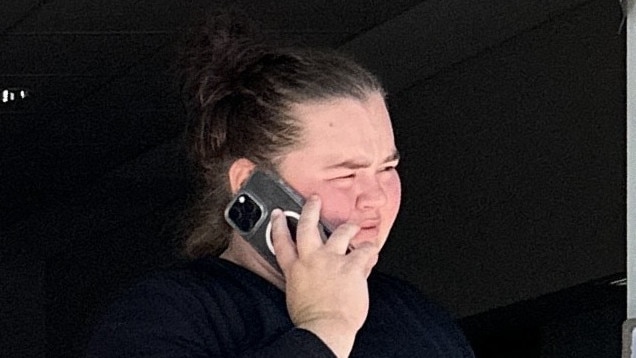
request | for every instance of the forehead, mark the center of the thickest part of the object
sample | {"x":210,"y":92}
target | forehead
{"x":342,"y":111}
{"x":345,"y":127}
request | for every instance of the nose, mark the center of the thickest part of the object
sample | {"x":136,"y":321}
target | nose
{"x":371,"y":194}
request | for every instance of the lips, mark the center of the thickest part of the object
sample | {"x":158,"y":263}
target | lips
{"x":369,"y":231}
{"x":366,"y":231}
{"x":369,"y":221}
{"x":369,"y":224}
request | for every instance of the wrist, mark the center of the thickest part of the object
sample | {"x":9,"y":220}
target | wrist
{"x":337,"y":335}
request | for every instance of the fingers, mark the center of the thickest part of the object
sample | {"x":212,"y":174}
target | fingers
{"x":283,"y":244}
{"x":307,"y":236}
{"x":308,"y":239}
{"x":366,"y":256}
{"x":341,"y":237}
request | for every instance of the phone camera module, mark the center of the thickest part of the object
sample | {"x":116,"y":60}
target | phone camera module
{"x":245,"y":213}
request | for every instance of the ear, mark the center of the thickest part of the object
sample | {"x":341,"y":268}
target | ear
{"x":239,"y":171}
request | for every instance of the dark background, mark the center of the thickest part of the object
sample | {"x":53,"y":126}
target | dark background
{"x":509,"y":115}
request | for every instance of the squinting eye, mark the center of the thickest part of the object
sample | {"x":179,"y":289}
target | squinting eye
{"x":344,"y":177}
{"x":350,"y":176}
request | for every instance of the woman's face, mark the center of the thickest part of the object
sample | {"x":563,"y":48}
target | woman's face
{"x":347,"y":156}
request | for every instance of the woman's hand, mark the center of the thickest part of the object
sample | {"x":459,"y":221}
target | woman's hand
{"x":326,"y":286}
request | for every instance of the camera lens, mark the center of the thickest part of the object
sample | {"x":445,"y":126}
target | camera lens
{"x":249,"y":206}
{"x":245,"y":213}
{"x":235,"y":213}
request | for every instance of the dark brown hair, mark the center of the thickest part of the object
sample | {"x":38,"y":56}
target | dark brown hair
{"x":238,"y":92}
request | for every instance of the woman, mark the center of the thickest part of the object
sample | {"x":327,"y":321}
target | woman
{"x":320,"y":122}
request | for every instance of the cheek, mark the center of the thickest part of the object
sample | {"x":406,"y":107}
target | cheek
{"x":336,"y":207}
{"x":336,"y":204}
{"x":393,"y":190}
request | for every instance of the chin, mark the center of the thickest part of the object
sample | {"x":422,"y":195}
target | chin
{"x":372,"y":236}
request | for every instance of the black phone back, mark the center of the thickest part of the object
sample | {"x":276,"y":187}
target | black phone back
{"x":250,"y":209}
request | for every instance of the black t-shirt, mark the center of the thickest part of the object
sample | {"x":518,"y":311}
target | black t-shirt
{"x":214,"y":308}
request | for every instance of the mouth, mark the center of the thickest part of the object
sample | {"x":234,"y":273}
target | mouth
{"x":369,"y":223}
{"x":367,"y":233}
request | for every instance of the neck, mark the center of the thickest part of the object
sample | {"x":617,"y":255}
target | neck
{"x":243,"y":254}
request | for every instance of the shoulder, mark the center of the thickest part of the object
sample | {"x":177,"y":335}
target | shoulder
{"x":401,"y":293}
{"x":183,"y":281}
{"x":209,"y":284}
{"x":210,"y":273}
{"x":400,"y":304}
{"x":179,"y":286}
{"x":176,"y":305}
{"x":393,"y":288}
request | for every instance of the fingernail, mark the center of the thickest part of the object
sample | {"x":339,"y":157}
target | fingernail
{"x":314,"y":198}
{"x":276,"y":213}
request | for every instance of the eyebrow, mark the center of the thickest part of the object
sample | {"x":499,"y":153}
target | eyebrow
{"x":393,"y":157}
{"x":357,"y":164}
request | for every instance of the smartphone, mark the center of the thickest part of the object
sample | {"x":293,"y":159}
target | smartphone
{"x":250,"y":209}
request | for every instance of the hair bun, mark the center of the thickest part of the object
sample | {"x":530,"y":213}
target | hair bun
{"x":214,"y":58}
